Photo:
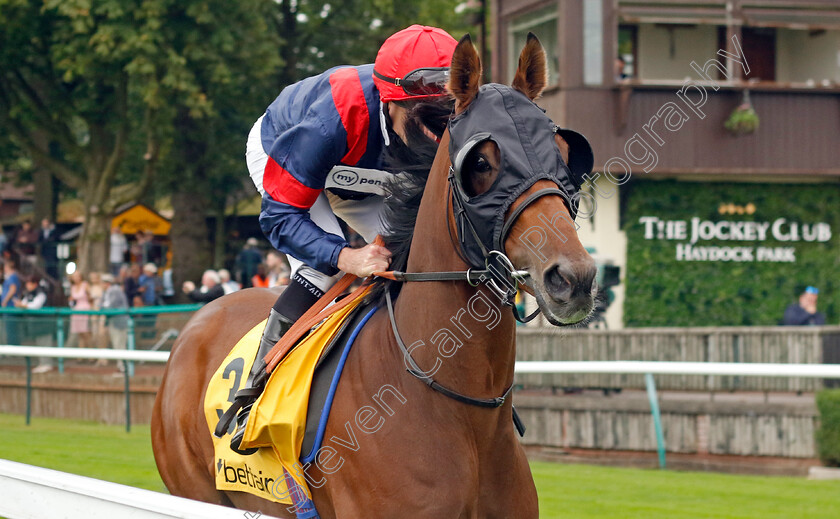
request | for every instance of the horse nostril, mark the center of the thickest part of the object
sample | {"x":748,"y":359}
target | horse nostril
{"x":557,"y":285}
{"x":588,"y":281}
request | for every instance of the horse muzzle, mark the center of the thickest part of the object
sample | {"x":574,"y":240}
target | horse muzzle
{"x":566,"y":292}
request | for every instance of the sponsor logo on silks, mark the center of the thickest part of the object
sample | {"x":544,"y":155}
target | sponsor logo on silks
{"x":360,"y":180}
{"x":346,"y":177}
{"x":244,"y":475}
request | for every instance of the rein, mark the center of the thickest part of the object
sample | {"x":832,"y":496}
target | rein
{"x":501,"y":277}
{"x":429,"y":381}
{"x":469,"y":276}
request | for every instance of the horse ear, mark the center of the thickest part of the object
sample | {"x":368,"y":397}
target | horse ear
{"x":532,"y":74}
{"x":464,"y":73}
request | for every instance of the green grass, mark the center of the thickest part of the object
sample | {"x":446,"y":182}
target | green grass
{"x":86,"y":448}
{"x":566,"y":491}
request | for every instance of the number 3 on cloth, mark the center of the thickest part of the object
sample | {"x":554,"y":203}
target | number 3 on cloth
{"x":237,"y":367}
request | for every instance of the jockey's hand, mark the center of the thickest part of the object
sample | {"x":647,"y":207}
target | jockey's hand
{"x":365,"y":261}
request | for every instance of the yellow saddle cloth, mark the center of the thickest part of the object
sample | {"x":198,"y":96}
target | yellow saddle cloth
{"x":277,"y":421}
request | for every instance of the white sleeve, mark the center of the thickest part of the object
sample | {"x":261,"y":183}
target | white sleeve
{"x":37,"y":302}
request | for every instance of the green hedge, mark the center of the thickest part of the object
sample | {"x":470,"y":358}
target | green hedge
{"x":828,"y":434}
{"x":661,"y":291}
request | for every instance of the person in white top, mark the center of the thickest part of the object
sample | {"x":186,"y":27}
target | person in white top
{"x":119,"y":246}
{"x":39,"y":327}
{"x":278,"y":269}
{"x":228,"y":285}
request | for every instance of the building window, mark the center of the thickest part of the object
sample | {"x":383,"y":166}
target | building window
{"x":543,"y":23}
{"x":593,"y":42}
{"x":626,"y":67}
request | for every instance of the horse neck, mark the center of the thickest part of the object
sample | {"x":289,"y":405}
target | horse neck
{"x":465,"y":330}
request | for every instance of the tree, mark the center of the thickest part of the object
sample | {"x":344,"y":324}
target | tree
{"x":230,"y":59}
{"x":321,"y":34}
{"x":68,"y":68}
{"x":86,"y":83}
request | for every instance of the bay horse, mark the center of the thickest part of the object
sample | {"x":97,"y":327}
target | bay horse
{"x":398,"y":448}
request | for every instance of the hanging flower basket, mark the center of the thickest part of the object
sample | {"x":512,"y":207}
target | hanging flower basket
{"x":743,"y":120}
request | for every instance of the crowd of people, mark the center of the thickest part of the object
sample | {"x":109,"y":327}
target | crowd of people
{"x":136,"y":277}
{"x":253,"y":270}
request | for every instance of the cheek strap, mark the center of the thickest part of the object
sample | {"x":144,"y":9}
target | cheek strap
{"x":514,"y":215}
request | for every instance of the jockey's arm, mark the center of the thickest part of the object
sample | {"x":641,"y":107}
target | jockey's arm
{"x":298,"y":164}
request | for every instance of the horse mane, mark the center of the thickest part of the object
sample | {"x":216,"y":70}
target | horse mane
{"x":410,"y":164}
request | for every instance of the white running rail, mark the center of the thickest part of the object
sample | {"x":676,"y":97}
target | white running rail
{"x":28,"y":492}
{"x":84,"y":353}
{"x":744,"y":369}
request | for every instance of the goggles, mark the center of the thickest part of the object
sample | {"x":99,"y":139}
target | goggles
{"x":421,"y":82}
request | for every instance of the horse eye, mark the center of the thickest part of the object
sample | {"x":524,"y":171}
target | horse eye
{"x":482,"y":165}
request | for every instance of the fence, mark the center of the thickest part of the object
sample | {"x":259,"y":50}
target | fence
{"x":127,"y":356}
{"x":149,"y":328}
{"x":648,"y":369}
{"x":34,"y":492}
{"x":774,"y":345}
{"x":645,"y":369}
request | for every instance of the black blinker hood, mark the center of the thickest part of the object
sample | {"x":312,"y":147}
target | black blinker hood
{"x":525,"y":137}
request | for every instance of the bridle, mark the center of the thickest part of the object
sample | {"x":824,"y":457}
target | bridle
{"x":499,"y":274}
{"x":515,"y":124}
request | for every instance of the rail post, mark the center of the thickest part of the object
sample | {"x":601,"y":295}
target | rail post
{"x":59,"y":340}
{"x":28,"y":390}
{"x":129,"y":368}
{"x":657,"y":418}
{"x":127,"y":396}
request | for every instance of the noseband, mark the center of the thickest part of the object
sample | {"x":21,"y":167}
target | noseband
{"x":499,"y":273}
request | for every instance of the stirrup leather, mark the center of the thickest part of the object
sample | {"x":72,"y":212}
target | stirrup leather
{"x":276,"y":326}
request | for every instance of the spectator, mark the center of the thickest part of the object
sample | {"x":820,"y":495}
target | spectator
{"x":804,"y":312}
{"x":131,"y":285}
{"x":80,"y":300}
{"x":210,"y":288}
{"x":167,"y":285}
{"x":278,"y":269}
{"x":260,"y":279}
{"x":4,"y":241}
{"x":246,"y":262}
{"x":24,"y":243}
{"x":228,"y":285}
{"x":96,"y":289}
{"x":119,"y":246}
{"x":39,"y":328}
{"x":114,"y":299}
{"x":47,"y":240}
{"x":619,"y":69}
{"x":97,"y":322}
{"x":12,"y":291}
{"x":150,"y":248}
{"x":148,"y":284}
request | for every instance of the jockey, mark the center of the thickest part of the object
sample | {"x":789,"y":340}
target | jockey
{"x":317,"y":153}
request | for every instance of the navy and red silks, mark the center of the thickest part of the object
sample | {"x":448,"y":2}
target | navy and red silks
{"x":312,"y":126}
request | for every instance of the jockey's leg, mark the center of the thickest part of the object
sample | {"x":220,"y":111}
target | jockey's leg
{"x":364,"y":216}
{"x":306,"y":286}
{"x":301,"y":293}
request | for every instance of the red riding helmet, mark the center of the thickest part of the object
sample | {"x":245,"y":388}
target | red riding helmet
{"x":414,"y":63}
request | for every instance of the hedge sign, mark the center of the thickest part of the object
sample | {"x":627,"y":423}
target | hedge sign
{"x":725,"y":254}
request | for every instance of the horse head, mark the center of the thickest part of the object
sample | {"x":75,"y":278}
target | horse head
{"x":514,"y":181}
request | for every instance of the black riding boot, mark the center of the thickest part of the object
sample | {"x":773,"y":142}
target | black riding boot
{"x":292,"y":303}
{"x":275,"y":328}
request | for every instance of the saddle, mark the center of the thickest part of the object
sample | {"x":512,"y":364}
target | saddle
{"x":288,"y":420}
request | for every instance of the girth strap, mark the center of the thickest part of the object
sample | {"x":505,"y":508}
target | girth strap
{"x":429,"y":381}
